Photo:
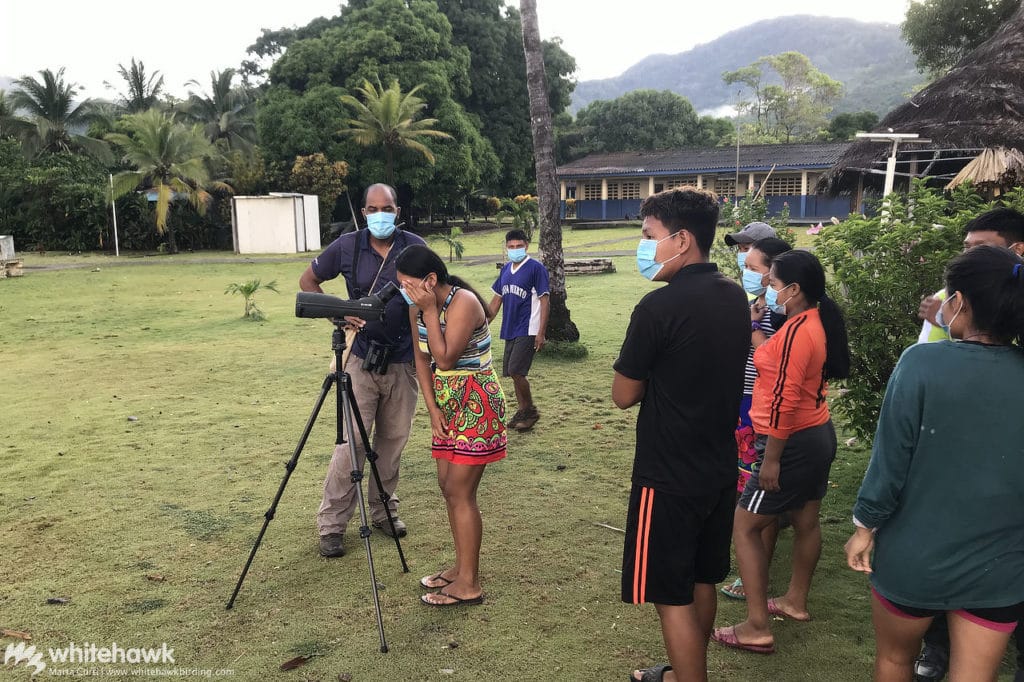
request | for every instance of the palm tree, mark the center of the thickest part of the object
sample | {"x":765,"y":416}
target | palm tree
{"x":54,"y":116}
{"x":142,"y":92}
{"x":225,"y":114}
{"x":560,"y":325}
{"x":387,"y":118}
{"x":170,"y":159}
{"x":248,"y":291}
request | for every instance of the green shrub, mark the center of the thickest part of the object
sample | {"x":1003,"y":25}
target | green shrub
{"x":734,"y":215}
{"x":565,"y":350}
{"x":879,"y":273}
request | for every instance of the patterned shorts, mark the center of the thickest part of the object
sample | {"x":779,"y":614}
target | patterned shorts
{"x":474,"y":409}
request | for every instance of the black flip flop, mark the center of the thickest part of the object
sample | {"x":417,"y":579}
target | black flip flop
{"x":458,"y":601}
{"x":436,"y":576}
{"x":652,"y":674}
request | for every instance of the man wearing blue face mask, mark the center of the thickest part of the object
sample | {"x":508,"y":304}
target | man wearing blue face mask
{"x":745,"y":238}
{"x":683,"y":360}
{"x":382,"y":371}
{"x":522,"y":287}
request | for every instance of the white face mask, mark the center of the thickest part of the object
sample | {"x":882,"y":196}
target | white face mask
{"x":940,"y":319}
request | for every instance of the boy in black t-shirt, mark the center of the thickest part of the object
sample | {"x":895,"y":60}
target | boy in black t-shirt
{"x":683,"y":360}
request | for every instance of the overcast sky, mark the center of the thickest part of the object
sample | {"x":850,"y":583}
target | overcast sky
{"x":187,"y":39}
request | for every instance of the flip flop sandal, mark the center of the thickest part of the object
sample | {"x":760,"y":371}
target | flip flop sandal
{"x":436,"y":577}
{"x":727,"y":637}
{"x":773,"y":609}
{"x":652,"y":674}
{"x":730,"y":590}
{"x":473,"y":601}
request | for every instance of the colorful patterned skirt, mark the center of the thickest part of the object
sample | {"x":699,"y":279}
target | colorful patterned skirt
{"x":473,"y":405}
{"x":746,"y":454}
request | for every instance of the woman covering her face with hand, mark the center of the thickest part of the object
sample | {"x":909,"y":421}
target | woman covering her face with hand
{"x":942,"y":502}
{"x":466,"y":406}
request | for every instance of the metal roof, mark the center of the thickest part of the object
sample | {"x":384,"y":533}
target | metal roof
{"x":753,"y":158}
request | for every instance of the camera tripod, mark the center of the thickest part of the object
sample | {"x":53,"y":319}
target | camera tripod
{"x":347,"y":415}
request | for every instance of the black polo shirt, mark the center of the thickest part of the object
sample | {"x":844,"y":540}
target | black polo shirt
{"x":688,"y":340}
{"x":337,"y":259}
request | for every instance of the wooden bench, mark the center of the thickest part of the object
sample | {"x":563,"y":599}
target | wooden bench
{"x":583,"y":266}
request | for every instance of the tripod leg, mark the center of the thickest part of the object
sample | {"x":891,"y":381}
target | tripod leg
{"x":290,"y":467}
{"x":371,"y":457}
{"x":346,"y":407}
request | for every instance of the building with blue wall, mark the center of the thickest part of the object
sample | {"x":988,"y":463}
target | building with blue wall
{"x":611,"y":186}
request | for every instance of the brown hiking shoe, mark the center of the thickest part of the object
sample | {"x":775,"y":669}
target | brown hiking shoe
{"x":527,"y":420}
{"x":331,"y":545}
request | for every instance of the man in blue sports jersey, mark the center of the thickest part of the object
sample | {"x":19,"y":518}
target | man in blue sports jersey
{"x":522,"y":287}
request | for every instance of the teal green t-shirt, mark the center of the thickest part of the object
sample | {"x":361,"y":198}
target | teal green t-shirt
{"x":945,"y":486}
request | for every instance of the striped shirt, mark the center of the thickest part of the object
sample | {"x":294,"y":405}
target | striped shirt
{"x":751,"y":372}
{"x":476,"y":356}
{"x":789,"y":393}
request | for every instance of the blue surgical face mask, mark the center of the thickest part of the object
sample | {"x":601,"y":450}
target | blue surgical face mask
{"x":408,"y":300}
{"x":517,"y":255}
{"x":741,"y":259}
{"x":646,"y":252}
{"x":753,"y":282}
{"x":771,"y":299}
{"x":381,"y":224}
{"x":940,"y":318}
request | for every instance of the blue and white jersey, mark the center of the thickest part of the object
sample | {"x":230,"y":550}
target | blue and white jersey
{"x":520,"y":286}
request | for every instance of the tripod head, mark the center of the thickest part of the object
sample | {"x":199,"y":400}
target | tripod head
{"x":312,"y":304}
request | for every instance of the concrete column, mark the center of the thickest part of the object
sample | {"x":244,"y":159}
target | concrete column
{"x":750,"y":184}
{"x":650,"y":185}
{"x":700,"y":181}
{"x":562,"y":189}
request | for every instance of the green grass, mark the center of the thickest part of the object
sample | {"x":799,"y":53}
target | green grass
{"x":145,"y":524}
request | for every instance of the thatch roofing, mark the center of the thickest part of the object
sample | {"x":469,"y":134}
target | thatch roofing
{"x":978,"y":104}
{"x":992,"y":170}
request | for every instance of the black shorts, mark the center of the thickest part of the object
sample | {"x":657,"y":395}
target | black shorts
{"x":673,"y":542}
{"x":518,"y":356}
{"x":803,"y":473}
{"x":1000,"y":618}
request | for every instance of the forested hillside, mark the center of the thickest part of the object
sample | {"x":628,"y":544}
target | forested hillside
{"x":871,"y":60}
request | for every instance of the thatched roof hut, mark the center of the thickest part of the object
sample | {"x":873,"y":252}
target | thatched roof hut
{"x":992,"y":171}
{"x":978,"y":104}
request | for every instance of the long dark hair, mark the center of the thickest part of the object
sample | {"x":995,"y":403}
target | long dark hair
{"x":992,"y":280}
{"x":417,"y":260}
{"x":803,"y":268}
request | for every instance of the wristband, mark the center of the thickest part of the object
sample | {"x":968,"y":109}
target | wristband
{"x":755,"y":326}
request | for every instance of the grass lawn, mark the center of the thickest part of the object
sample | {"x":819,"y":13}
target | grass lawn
{"x":145,"y":428}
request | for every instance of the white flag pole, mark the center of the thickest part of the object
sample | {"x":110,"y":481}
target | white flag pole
{"x":113,"y":207}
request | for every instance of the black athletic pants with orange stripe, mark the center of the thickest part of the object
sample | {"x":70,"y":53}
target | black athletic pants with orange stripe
{"x":673,"y":542}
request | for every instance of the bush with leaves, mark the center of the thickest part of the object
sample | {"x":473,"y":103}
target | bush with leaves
{"x":314,"y":174}
{"x":734,"y":215}
{"x":524,"y":212}
{"x":879,"y":273}
{"x":451,"y":238}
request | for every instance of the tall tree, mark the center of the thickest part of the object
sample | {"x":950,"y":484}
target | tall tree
{"x":387,"y":118}
{"x":226,"y":112}
{"x":141,"y":91}
{"x":11,"y":126}
{"x":795,"y":110}
{"x":55,"y":116}
{"x":492,"y":33}
{"x":170,"y":159}
{"x":845,"y":126}
{"x":941,"y":32}
{"x":644,"y":120}
{"x":560,"y":324}
{"x":410,"y":42}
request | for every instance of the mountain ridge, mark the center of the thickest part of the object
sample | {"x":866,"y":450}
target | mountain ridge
{"x":875,"y":66}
